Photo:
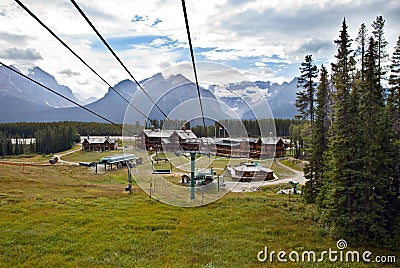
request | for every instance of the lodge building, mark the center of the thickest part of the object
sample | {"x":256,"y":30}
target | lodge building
{"x":186,"y":140}
{"x":99,"y":144}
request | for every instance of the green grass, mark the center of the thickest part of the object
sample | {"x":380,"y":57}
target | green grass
{"x":293,"y":163}
{"x":66,"y":216}
{"x":32,"y":158}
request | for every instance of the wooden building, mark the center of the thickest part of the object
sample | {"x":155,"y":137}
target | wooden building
{"x":169,"y":140}
{"x":187,"y":139}
{"x":250,"y":148}
{"x":247,"y":172}
{"x":99,"y":144}
{"x":270,"y":147}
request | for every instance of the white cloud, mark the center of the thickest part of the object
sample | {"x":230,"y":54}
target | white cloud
{"x":261,"y":37}
{"x":14,"y":53}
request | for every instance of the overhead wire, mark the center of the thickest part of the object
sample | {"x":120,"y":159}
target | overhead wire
{"x":58,"y":94}
{"x":76,"y":55}
{"x":116,"y":56}
{"x":193,"y":64}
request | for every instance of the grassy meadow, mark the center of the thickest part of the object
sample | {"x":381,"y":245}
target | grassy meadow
{"x":68,"y":216}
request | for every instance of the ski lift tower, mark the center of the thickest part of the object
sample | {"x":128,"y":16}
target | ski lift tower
{"x":192,"y":170}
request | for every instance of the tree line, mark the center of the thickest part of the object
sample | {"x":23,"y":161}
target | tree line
{"x":350,"y":128}
{"x":48,"y":137}
{"x":243,"y":128}
{"x":28,"y":129}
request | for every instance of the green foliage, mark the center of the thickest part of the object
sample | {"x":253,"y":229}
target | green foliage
{"x":358,"y":196}
{"x":55,"y":138}
{"x":362,"y":39}
{"x":314,"y":171}
{"x":380,"y":46}
{"x":394,"y":91}
{"x":299,"y":132}
{"x":251,"y":127}
{"x":306,"y":98}
{"x":83,"y":128}
{"x":51,"y":137}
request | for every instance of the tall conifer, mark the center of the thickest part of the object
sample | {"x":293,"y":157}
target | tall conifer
{"x":305,"y":98}
{"x":313,"y":171}
{"x":338,"y":196}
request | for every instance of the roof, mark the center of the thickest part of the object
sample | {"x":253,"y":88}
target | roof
{"x":99,"y":140}
{"x":117,"y":158}
{"x":228,"y":143}
{"x":158,"y":133}
{"x":186,"y":134}
{"x":165,"y":141}
{"x":271,"y":140}
{"x":251,"y":167}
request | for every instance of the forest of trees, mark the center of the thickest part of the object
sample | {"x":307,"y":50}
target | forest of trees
{"x":351,"y":137}
{"x":50,"y":137}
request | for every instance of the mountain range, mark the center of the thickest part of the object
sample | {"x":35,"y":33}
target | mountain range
{"x":175,"y":95}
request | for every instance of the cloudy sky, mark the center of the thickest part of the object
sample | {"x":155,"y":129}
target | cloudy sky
{"x":265,"y":40}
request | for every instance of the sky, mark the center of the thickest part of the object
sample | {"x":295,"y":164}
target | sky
{"x":264,"y":40}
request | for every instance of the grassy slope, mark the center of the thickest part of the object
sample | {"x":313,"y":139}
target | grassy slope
{"x":66,"y":216}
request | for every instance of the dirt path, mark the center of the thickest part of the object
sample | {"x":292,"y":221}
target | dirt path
{"x":59,"y":155}
{"x":299,"y":175}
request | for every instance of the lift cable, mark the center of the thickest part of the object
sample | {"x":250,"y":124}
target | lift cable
{"x":194,"y":64}
{"x":58,"y":94}
{"x":115,"y":55}
{"x":76,"y":55}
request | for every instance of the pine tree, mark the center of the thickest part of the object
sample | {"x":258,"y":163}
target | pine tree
{"x":337,"y":197}
{"x":378,"y":32}
{"x":394,"y":116}
{"x":372,"y":220}
{"x":362,"y":39}
{"x":306,"y":98}
{"x":9,"y":147}
{"x":319,"y":142}
{"x":32,"y":146}
{"x":394,"y":91}
{"x":1,"y":143}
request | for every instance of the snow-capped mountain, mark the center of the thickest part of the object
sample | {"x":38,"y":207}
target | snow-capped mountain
{"x":248,"y":99}
{"x":22,"y":100}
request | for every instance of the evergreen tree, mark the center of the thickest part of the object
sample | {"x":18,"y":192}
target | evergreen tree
{"x":305,"y":98}
{"x":338,"y":196}
{"x":16,"y":146}
{"x":394,"y":91}
{"x":362,"y":39}
{"x":1,"y":143}
{"x":394,"y":115}
{"x":319,"y":142}
{"x":9,"y":147}
{"x":375,"y":198}
{"x":296,"y":130}
{"x":378,"y":32}
{"x":32,"y":148}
